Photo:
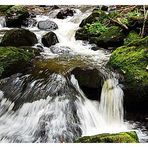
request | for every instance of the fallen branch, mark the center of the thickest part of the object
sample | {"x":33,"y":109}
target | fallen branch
{"x":118,"y":22}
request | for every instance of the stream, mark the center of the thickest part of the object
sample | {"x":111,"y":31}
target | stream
{"x":56,"y":110}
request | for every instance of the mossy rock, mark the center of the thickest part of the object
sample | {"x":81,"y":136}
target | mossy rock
{"x":16,"y":15}
{"x":131,"y":61}
{"x":124,"y":137}
{"x":19,"y":37}
{"x":4,"y":8}
{"x":112,"y":37}
{"x":97,"y":15}
{"x":82,"y":34}
{"x":14,"y":60}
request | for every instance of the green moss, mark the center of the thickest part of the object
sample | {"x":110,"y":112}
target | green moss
{"x":4,"y":8}
{"x":97,"y":15}
{"x":112,"y":37}
{"x":132,"y":60}
{"x":111,"y":34}
{"x":13,"y":59}
{"x":139,"y":42}
{"x":124,"y":137}
{"x":18,"y":9}
{"x":131,"y":37}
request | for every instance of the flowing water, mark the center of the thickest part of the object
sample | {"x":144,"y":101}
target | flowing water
{"x":55,"y":109}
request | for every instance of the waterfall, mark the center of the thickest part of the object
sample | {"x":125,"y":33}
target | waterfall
{"x":111,"y":104}
{"x":2,"y":22}
{"x":54,"y":108}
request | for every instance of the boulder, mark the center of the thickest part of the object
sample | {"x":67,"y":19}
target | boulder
{"x":47,"y":25}
{"x":29,"y":22}
{"x":4,"y":8}
{"x":64,"y":13}
{"x":131,"y":62}
{"x":16,"y":15}
{"x":63,"y":50}
{"x":19,"y":37}
{"x":97,"y":15}
{"x":101,"y":35}
{"x":124,"y":137}
{"x":14,"y":60}
{"x":49,"y":39}
{"x":104,"y":8}
{"x":112,"y":37}
{"x":90,"y":81}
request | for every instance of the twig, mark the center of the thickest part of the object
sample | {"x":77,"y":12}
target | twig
{"x":145,"y":17}
{"x":118,"y":22}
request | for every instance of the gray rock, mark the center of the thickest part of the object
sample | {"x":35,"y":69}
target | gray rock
{"x":47,"y":25}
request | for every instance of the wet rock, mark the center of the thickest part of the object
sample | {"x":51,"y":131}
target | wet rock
{"x":64,"y":13}
{"x":49,"y":39}
{"x":47,"y":25}
{"x":55,"y":7}
{"x":29,"y":22}
{"x":19,"y":37}
{"x":61,"y":50}
{"x":16,"y":15}
{"x":104,"y":8}
{"x":40,"y":48}
{"x":124,"y":137}
{"x":90,"y":81}
{"x":95,"y":48}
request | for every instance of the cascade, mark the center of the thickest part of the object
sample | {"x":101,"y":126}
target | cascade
{"x":56,"y":109}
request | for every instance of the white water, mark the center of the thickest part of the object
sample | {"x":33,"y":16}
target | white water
{"x":63,"y":116}
{"x":2,"y":22}
{"x":58,"y":112}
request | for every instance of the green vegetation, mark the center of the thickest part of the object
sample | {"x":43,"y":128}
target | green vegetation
{"x":135,"y":13}
{"x":95,"y":28}
{"x":124,"y":137}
